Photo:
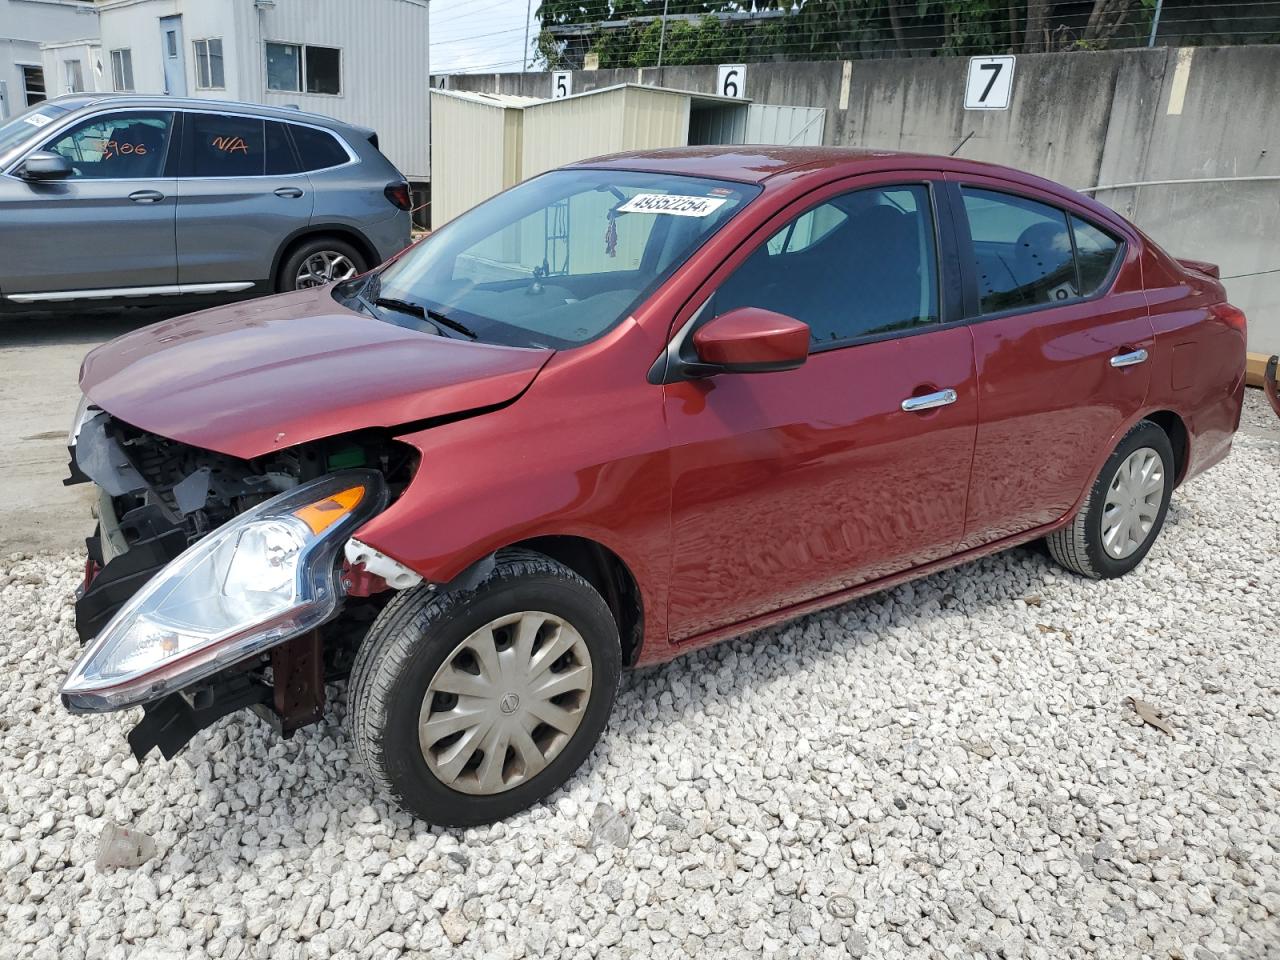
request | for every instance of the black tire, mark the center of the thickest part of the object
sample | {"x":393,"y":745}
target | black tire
{"x":415,"y":634}
{"x":1079,"y":545}
{"x":287,"y":276}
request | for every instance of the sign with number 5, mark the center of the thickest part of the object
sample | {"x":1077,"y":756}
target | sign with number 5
{"x":561,"y":84}
{"x":990,"y":83}
{"x":731,"y":80}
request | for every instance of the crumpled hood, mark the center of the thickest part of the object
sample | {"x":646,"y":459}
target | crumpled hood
{"x":259,"y":376}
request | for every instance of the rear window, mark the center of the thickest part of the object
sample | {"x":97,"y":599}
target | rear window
{"x":317,"y":148}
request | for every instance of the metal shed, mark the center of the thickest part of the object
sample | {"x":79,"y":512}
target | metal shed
{"x":625,"y":117}
{"x":483,"y":143}
{"x":475,"y":149}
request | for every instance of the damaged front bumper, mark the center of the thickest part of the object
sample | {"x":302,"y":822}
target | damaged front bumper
{"x":193,"y":627}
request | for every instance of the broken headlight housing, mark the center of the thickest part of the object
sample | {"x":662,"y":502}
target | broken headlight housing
{"x":268,"y":575}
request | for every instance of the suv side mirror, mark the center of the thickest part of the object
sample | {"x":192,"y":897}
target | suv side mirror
{"x":44,"y":165}
{"x":752,"y":340}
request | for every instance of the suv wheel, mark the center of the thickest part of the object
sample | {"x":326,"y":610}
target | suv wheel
{"x":470,"y":705}
{"x":1124,"y":511}
{"x":318,"y":262}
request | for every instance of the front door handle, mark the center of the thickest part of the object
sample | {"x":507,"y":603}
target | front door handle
{"x":290,"y":193}
{"x":146,"y":196}
{"x":1129,"y":359}
{"x":930,"y":400}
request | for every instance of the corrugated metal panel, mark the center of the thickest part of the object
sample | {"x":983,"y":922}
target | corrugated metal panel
{"x":561,"y":131}
{"x":788,"y":126}
{"x":462,"y":174}
{"x":719,"y":124}
{"x":654,"y":118}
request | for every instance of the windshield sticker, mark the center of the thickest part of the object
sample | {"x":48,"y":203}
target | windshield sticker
{"x":672,"y":204}
{"x":38,"y":119}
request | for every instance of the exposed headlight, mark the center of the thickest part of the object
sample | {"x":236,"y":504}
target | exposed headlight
{"x":268,"y":575}
{"x":83,"y":413}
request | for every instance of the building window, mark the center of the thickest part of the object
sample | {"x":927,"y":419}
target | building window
{"x":122,"y":69}
{"x":294,"y":68}
{"x":33,"y":84}
{"x":209,"y":75}
{"x":75,"y":76}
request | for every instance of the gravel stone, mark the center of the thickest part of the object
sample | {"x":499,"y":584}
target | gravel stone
{"x":946,"y":769}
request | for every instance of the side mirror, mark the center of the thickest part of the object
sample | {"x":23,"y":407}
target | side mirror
{"x":752,"y":340}
{"x":44,"y":165}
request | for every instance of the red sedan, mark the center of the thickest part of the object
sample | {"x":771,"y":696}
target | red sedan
{"x":624,"y":410}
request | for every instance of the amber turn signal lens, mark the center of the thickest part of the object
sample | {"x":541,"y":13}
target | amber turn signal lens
{"x":323,"y":514}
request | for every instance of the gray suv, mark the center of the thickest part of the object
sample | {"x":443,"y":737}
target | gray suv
{"x":124,"y":198}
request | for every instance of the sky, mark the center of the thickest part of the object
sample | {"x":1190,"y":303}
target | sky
{"x":479,"y":36}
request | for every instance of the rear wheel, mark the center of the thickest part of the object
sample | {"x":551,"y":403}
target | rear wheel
{"x":317,"y":262}
{"x":1125,"y":509}
{"x":471,"y":705}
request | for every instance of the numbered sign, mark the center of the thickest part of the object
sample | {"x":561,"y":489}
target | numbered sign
{"x":731,"y":80}
{"x":561,"y":84}
{"x":990,"y":83}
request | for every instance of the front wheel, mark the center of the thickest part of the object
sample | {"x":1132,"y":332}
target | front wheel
{"x":471,"y":705}
{"x":1125,"y":510}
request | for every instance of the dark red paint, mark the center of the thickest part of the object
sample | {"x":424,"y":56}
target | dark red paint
{"x":736,"y":500}
{"x":752,"y":337}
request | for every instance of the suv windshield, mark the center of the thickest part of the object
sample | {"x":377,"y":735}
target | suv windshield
{"x":561,"y":258}
{"x":26,"y":125}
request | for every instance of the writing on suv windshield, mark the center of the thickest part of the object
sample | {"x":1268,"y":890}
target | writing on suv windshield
{"x":563,"y":258}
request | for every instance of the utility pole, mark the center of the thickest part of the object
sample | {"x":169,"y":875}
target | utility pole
{"x":1155,"y":24}
{"x":662,"y":35}
{"x":528,"y":15}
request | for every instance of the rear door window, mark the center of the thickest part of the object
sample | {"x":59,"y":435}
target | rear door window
{"x":1030,"y":254}
{"x":318,"y":149}
{"x":224,"y":146}
{"x":280,"y":156}
{"x":118,"y":146}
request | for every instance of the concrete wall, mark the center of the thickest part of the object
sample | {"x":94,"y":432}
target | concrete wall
{"x":24,"y":26}
{"x":1083,"y":119}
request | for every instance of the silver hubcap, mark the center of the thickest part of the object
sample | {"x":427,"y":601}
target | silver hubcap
{"x":1133,"y":500}
{"x":505,"y":702}
{"x":323,"y":267}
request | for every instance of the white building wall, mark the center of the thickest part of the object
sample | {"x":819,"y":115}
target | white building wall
{"x":24,"y":26}
{"x":385,"y":76}
{"x":95,"y":74}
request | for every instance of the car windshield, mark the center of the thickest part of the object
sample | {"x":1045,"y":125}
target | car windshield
{"x":26,"y":125}
{"x":558,"y":260}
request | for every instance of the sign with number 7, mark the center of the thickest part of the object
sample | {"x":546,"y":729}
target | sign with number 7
{"x":990,"y":83}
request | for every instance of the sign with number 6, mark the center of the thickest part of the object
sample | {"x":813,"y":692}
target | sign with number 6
{"x":731,"y":80}
{"x":990,"y":83}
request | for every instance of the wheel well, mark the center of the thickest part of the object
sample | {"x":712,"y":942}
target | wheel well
{"x":352,"y":237}
{"x":604,"y":570}
{"x":1176,"y":431}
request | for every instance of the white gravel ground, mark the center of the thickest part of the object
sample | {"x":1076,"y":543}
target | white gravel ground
{"x":948,"y":769}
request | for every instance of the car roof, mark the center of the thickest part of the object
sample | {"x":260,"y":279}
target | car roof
{"x":81,"y":101}
{"x":756,"y":163}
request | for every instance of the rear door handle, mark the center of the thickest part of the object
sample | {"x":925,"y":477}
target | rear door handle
{"x":930,"y":400}
{"x":146,"y":196}
{"x":290,"y":193}
{"x":1129,"y":359}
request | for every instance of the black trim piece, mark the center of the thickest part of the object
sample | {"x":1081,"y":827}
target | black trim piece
{"x":171,"y":722}
{"x":966,"y":259}
{"x":155,"y":542}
